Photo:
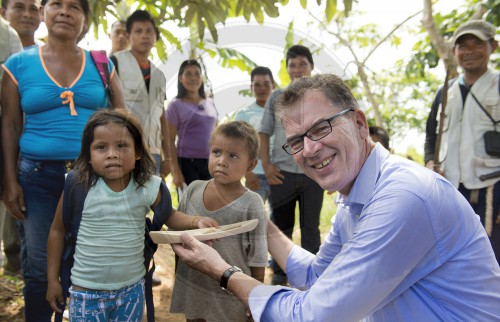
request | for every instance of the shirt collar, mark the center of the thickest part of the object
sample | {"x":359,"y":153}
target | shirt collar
{"x":364,"y":185}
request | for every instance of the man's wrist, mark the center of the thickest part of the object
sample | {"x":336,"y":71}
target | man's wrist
{"x":224,"y":280}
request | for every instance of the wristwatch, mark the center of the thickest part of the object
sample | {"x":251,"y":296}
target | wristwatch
{"x":225,"y":277}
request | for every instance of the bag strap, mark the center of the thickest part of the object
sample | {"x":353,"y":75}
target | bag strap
{"x":73,"y":200}
{"x":161,"y":213}
{"x":101,"y":61}
{"x":484,"y":110}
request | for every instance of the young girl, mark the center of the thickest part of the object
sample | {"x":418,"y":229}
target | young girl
{"x":191,"y":117}
{"x":233,"y":152}
{"x":117,"y":169}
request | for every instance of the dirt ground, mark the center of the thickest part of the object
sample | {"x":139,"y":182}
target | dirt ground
{"x":12,"y":304}
{"x":11,"y":300}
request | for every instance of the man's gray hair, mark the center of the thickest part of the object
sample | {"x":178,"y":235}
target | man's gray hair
{"x":332,"y":86}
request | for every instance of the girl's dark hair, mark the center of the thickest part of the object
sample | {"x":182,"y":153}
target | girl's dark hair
{"x":144,"y":167}
{"x":181,"y":90}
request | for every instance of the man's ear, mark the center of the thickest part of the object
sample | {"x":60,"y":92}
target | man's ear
{"x":361,"y":123}
{"x":251,"y":165}
{"x":494,"y":45}
{"x":2,"y":12}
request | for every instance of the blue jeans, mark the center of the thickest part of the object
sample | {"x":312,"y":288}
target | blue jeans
{"x":265,"y":190}
{"x":125,"y":304}
{"x":42,"y":183}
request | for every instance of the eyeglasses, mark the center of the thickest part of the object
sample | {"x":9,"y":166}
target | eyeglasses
{"x":315,"y":133}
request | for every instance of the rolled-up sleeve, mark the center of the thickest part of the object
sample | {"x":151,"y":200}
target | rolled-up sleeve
{"x":369,"y":272}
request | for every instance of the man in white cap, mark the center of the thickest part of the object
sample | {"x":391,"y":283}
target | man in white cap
{"x":466,"y":158}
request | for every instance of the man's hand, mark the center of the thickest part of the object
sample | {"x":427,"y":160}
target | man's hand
{"x":200,"y":257}
{"x":273,"y":174}
{"x":431,"y":165}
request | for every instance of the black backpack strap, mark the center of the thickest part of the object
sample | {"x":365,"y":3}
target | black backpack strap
{"x":164,"y":208}
{"x":73,"y":200}
{"x":161,"y":213}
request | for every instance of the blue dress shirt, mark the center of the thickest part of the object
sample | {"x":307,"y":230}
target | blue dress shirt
{"x":404,"y":246}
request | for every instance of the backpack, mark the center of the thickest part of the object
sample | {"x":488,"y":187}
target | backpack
{"x":74,"y":198}
{"x":101,"y":61}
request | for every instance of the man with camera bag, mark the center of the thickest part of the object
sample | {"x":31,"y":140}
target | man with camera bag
{"x":469,"y":134}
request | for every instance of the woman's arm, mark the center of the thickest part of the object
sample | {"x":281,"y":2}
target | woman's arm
{"x":117,"y":99}
{"x":55,"y":248}
{"x":178,"y":178}
{"x":165,"y":144}
{"x":12,"y":127}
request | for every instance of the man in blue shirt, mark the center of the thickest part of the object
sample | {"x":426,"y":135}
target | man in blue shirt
{"x":262,"y":85}
{"x":405,"y":245}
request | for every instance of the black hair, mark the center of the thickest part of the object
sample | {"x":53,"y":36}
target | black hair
{"x":83,"y":3}
{"x":144,"y":167}
{"x":141,"y":15}
{"x":5,"y":3}
{"x":261,"y":70}
{"x":298,"y":50}
{"x":181,"y":90}
{"x":382,"y":135}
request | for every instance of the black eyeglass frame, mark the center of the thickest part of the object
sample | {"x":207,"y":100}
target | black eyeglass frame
{"x":329,"y":120}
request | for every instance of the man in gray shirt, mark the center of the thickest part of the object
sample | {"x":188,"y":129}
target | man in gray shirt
{"x":289,"y":184}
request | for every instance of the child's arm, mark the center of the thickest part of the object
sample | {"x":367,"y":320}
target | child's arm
{"x":55,"y":248}
{"x":180,"y":221}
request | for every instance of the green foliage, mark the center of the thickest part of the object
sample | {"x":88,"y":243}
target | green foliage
{"x":404,"y":99}
{"x":195,"y":15}
{"x":231,"y":58}
{"x":424,"y":54}
{"x":413,"y":154}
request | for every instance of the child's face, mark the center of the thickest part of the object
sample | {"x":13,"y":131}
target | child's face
{"x":113,"y":155}
{"x":228,"y":161}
